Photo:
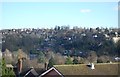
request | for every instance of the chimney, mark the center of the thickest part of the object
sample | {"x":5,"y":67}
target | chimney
{"x":46,"y":65}
{"x":20,"y":61}
{"x":92,"y":66}
{"x":19,"y":65}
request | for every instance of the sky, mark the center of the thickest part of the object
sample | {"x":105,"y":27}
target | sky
{"x":50,"y":14}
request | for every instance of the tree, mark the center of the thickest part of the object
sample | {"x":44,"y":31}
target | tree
{"x":92,"y":57}
{"x":68,"y":61}
{"x":59,"y":59}
{"x":21,"y":54}
{"x":103,"y":59}
{"x":118,"y":48}
{"x":41,"y":57}
{"x":8,"y":56}
{"x":99,"y":60}
{"x":75,"y":61}
{"x":3,"y":66}
{"x":49,"y":54}
{"x":51,"y":62}
{"x":6,"y":71}
{"x":0,"y":70}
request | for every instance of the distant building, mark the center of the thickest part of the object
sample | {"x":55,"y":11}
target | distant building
{"x":116,"y":39}
{"x":117,"y":58}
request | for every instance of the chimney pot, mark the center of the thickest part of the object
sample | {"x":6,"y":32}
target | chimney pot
{"x":92,"y":66}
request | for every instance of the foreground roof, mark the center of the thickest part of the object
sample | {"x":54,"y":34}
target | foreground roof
{"x":83,"y":69}
{"x":31,"y":73}
{"x":52,"y":72}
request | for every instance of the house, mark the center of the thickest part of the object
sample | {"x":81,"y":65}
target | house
{"x":115,"y":39}
{"x":36,"y":72}
{"x":31,"y":73}
{"x":117,"y":58}
{"x":52,"y":72}
{"x":83,"y":70}
{"x":79,"y":70}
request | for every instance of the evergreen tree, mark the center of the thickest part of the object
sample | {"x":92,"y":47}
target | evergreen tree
{"x":75,"y":61}
{"x":6,"y":71}
{"x":3,"y":67}
{"x":68,"y":61}
{"x":118,"y":48}
{"x":41,"y":57}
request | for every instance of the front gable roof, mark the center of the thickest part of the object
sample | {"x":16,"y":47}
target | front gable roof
{"x":51,"y":69}
{"x":31,"y":73}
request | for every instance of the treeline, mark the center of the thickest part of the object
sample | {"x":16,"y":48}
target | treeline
{"x":70,"y":42}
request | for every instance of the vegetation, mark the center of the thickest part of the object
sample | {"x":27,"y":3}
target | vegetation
{"x":63,"y":40}
{"x":6,"y":71}
{"x":0,"y":67}
{"x":118,"y":48}
{"x":75,"y":61}
{"x":62,"y":45}
{"x":41,"y":57}
{"x":68,"y":61}
{"x":51,"y":62}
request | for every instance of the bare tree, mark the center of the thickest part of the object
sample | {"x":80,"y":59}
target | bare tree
{"x":92,"y":57}
{"x":59,"y":59}
{"x":103,"y":59}
{"x":8,"y":56}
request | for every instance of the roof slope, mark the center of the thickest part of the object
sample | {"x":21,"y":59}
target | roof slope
{"x":83,"y":69}
{"x":31,"y":73}
{"x":52,"y":72}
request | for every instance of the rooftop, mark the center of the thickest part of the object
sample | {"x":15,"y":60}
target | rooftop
{"x":83,"y":69}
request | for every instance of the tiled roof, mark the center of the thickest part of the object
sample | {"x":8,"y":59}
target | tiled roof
{"x":83,"y":69}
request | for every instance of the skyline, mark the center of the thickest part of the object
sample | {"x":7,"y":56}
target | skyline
{"x":50,"y":14}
